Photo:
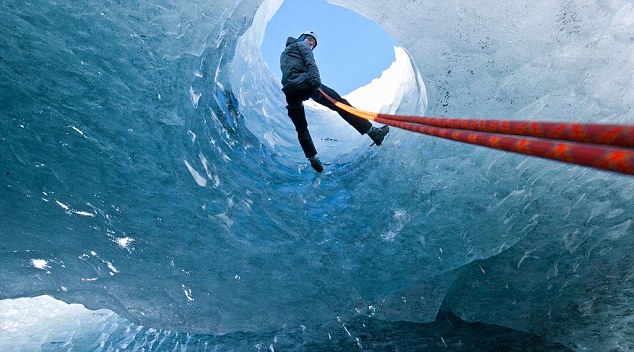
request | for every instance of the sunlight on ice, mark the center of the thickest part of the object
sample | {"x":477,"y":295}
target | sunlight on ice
{"x":113,"y":270}
{"x":40,"y":264}
{"x":188,"y":292}
{"x":124,"y":242}
{"x":83,"y":213}
{"x":192,"y":135}
{"x":201,"y":181}
{"x":64,"y":206}
{"x":195,"y":96}
{"x":78,"y":131}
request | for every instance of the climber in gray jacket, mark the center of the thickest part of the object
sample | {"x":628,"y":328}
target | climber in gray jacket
{"x":300,"y":80}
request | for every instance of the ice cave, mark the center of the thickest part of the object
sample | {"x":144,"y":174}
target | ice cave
{"x":154,"y":197}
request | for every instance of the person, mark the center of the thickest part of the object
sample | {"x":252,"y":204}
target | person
{"x":300,"y":80}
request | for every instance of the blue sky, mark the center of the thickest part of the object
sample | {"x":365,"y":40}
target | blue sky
{"x":352,"y":50}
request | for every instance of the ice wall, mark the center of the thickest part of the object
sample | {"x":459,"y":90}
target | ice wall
{"x":148,"y":168}
{"x":569,"y":277}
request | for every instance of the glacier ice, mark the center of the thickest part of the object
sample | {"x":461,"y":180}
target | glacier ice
{"x":150,"y":175}
{"x":45,"y":324}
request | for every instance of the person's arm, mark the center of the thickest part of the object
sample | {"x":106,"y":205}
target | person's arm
{"x":311,"y":66}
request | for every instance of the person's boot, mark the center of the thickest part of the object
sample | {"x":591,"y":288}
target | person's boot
{"x":316,"y":163}
{"x":378,"y":134}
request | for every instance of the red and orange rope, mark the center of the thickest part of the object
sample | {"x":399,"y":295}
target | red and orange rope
{"x":602,"y":146}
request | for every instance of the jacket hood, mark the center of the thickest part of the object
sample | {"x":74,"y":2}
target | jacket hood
{"x":290,"y":40}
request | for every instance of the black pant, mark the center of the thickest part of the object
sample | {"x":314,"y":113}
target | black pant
{"x":295,"y":97}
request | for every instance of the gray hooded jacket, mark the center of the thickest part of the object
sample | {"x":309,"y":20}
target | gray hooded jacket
{"x":298,"y":65}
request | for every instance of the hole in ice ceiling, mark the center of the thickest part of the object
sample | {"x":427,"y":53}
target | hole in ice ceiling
{"x":352,"y":50}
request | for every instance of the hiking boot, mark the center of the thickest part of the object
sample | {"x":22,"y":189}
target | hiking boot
{"x":316,"y":164}
{"x":378,"y":134}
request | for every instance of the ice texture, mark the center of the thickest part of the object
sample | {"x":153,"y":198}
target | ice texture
{"x":149,"y":170}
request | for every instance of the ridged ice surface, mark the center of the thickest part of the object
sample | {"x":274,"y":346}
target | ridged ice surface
{"x":150,"y":174}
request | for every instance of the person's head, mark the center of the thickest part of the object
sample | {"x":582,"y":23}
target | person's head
{"x":310,"y":38}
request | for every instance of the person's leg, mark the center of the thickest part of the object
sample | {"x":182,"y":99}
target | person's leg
{"x":359,"y":124}
{"x":298,"y":117}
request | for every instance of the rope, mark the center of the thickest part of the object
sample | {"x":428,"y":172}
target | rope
{"x":601,"y":146}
